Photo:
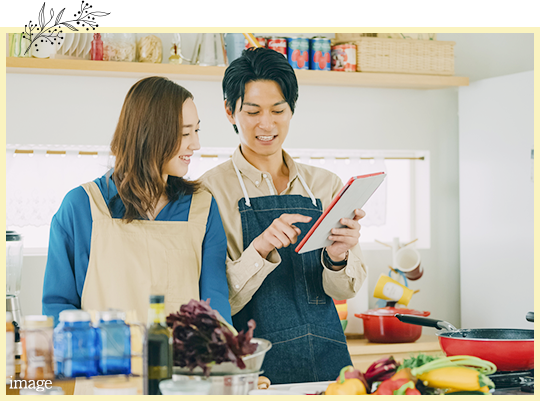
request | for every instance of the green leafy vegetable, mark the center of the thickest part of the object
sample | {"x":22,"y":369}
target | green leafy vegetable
{"x":417,"y":361}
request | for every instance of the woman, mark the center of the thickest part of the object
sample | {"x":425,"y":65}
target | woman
{"x":268,"y":202}
{"x":140,"y":229}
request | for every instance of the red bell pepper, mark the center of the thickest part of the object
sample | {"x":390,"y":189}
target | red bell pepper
{"x":397,"y":387}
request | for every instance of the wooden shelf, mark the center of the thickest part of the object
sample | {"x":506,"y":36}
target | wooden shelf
{"x":17,"y":65}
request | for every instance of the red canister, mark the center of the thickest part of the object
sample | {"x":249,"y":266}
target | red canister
{"x":344,"y":57}
{"x":278,"y":44}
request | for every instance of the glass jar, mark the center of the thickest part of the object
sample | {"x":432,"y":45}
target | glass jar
{"x":75,"y":345}
{"x":18,"y":45}
{"x":37,"y":348}
{"x":119,"y":46}
{"x":150,"y":49}
{"x":114,"y":343}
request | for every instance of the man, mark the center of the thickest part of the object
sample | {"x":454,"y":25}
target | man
{"x":268,"y":202}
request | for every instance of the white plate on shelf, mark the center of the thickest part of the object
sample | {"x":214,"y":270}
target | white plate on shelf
{"x":82,"y":44}
{"x":65,"y":43}
{"x":73,"y":47}
{"x":89,"y":38}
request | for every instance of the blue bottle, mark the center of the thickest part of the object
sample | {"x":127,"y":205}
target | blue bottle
{"x":114,"y":343}
{"x":75,"y":345}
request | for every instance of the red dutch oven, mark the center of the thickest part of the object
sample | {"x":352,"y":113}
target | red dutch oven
{"x":381,"y":326}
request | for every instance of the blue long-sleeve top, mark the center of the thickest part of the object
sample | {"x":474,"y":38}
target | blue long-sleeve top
{"x":69,"y":250}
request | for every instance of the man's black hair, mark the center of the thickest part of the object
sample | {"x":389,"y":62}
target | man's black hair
{"x":259,"y":64}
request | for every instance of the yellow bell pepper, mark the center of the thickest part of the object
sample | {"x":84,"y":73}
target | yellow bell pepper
{"x":346,"y":386}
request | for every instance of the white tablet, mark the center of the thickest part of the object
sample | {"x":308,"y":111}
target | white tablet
{"x":353,"y":195}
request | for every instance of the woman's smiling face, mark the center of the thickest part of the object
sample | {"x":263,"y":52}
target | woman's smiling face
{"x":263,"y":121}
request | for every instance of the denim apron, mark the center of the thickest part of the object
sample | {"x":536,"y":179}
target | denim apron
{"x":290,"y":308}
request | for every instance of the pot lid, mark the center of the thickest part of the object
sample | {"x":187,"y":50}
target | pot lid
{"x":391,"y":311}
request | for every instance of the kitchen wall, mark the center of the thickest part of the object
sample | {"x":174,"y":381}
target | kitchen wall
{"x":496,"y":136}
{"x":84,"y":110}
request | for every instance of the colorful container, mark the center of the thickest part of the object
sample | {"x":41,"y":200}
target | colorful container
{"x":75,"y":345}
{"x":114,"y":343}
{"x":344,"y":57}
{"x":298,"y":53}
{"x":278,"y":44}
{"x":319,"y":54}
{"x":260,"y":39}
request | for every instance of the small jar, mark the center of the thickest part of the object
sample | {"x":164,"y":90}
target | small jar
{"x":150,"y":49}
{"x":37,"y":348}
{"x":75,"y":345}
{"x":119,"y":46}
{"x":114,"y":343}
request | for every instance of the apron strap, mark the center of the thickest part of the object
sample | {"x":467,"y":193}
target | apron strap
{"x":200,"y":207}
{"x":97,"y":204}
{"x":246,"y":197}
{"x":313,"y":200}
{"x":241,"y":181}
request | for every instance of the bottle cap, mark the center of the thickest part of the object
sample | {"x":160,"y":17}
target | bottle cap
{"x":32,"y":321}
{"x":111,"y":314}
{"x":157,"y":299}
{"x":74,"y":315}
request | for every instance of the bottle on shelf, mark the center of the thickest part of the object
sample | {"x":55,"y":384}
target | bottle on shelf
{"x":159,"y":345}
{"x":96,"y":52}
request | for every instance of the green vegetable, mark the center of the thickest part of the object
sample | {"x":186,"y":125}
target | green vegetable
{"x":416,"y":361}
{"x":402,"y":389}
{"x":484,"y":367}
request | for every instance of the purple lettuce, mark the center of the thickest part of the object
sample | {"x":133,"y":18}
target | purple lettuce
{"x":200,"y":338}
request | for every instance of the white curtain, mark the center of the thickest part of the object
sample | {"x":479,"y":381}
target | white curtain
{"x":37,"y":182}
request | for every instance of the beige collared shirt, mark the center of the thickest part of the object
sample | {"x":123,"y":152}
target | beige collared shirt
{"x":246,"y":269}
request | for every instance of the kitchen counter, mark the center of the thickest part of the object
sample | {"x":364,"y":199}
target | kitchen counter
{"x":364,"y":353}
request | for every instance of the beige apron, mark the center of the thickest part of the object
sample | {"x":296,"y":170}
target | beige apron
{"x":130,"y":262}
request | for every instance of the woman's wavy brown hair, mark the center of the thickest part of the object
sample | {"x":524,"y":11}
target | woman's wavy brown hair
{"x":148,"y":135}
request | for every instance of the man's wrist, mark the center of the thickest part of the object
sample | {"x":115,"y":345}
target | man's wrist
{"x":334,"y":264}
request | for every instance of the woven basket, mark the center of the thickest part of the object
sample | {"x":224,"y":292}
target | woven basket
{"x":404,"y":56}
{"x":343,"y":37}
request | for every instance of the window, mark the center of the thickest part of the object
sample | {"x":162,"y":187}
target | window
{"x":38,"y":178}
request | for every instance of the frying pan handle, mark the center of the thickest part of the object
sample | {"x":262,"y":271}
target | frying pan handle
{"x":530,"y":316}
{"x":424,"y":321}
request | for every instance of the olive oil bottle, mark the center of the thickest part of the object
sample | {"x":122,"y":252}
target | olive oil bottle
{"x":159,"y":345}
